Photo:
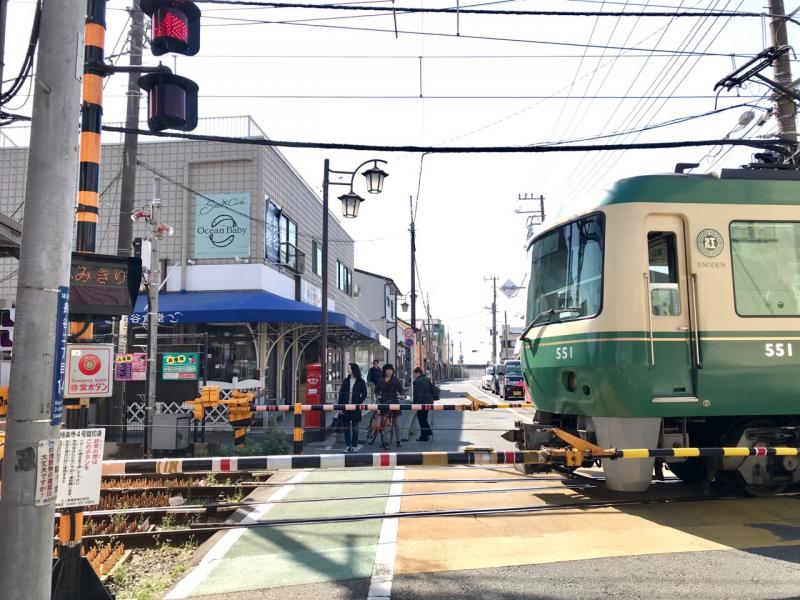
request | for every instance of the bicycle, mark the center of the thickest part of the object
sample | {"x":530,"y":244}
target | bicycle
{"x":381,"y":425}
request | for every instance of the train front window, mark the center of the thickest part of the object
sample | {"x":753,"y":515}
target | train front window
{"x":567,"y":270}
{"x":766,"y":268}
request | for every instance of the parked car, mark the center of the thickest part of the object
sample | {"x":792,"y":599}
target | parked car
{"x":510,"y":383}
{"x":488,"y":377}
{"x":498,"y":372}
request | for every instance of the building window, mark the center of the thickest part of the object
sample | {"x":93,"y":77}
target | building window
{"x":344,"y":278}
{"x":288,"y":237}
{"x":316,"y":258}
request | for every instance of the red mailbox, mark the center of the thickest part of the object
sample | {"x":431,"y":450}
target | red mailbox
{"x":314,"y":395}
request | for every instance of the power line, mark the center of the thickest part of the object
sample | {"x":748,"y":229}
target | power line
{"x":488,"y":11}
{"x":776,"y":145}
{"x":658,"y":86}
{"x":444,"y":97}
{"x":652,"y":106}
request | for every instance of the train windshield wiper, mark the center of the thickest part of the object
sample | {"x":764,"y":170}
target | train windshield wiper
{"x":550,"y":312}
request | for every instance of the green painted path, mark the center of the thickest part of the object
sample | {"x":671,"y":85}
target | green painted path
{"x":298,"y":554}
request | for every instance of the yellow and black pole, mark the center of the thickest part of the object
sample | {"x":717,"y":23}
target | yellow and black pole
{"x":91,"y":122}
{"x":298,"y":428}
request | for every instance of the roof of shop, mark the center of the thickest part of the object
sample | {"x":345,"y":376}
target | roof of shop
{"x":175,"y":308}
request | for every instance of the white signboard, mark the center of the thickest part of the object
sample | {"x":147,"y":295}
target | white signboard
{"x":79,"y":467}
{"x":89,"y":370}
{"x":310,"y":293}
{"x":46,"y":472}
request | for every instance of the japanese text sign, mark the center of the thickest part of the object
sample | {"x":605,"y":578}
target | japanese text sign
{"x":89,"y":368}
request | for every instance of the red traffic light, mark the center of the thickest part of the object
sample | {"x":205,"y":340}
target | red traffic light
{"x":175,"y":26}
{"x":171,"y":101}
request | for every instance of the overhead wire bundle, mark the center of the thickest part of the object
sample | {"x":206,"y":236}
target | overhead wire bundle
{"x":18,"y":82}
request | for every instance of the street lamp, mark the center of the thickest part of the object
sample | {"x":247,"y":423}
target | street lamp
{"x":351,"y":202}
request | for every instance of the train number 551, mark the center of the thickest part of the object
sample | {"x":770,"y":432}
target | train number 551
{"x":777,"y":350}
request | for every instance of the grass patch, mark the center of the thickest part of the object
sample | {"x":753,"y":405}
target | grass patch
{"x":150,"y":573}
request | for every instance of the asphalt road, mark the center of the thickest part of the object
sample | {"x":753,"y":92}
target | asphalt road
{"x":701,"y":548}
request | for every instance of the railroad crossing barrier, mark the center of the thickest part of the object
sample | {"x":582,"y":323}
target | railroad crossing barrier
{"x":475,"y":405}
{"x":564,"y":456}
{"x":298,"y":409}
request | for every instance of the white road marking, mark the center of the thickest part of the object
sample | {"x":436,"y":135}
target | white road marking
{"x":196,"y":576}
{"x":380,"y":586}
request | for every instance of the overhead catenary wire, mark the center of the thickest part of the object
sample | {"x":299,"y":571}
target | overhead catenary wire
{"x":535,"y":13}
{"x":242,"y":21}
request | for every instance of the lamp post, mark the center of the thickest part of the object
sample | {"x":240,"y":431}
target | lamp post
{"x":158,"y":230}
{"x":351,"y":202}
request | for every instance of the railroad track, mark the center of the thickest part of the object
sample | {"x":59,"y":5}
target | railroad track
{"x":199,"y":531}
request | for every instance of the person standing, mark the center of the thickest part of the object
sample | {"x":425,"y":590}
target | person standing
{"x":373,"y":376}
{"x":389,"y":390}
{"x":423,"y":394}
{"x":353,"y":391}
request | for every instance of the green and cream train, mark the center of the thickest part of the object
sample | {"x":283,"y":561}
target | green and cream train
{"x":669,"y":316}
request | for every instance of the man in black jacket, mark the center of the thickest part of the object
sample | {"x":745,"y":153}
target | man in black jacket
{"x":373,"y":375}
{"x":423,"y":394}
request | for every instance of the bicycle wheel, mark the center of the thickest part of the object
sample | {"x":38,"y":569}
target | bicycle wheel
{"x":373,"y":428}
{"x":387,"y":431}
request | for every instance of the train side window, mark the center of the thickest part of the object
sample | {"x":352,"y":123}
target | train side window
{"x":766,"y":268}
{"x":663,"y":271}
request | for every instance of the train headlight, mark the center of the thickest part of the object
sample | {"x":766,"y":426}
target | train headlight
{"x":570,"y":381}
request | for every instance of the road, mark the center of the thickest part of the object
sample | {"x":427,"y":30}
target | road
{"x":707,"y":548}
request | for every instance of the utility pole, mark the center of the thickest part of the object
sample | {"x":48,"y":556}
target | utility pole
{"x":152,"y":314}
{"x":413,"y":232}
{"x":127,"y":199}
{"x":131,"y":142}
{"x":787,"y":112}
{"x":494,"y":317}
{"x":3,"y":14}
{"x":34,"y":411}
{"x":430,"y":353}
{"x":505,"y":335}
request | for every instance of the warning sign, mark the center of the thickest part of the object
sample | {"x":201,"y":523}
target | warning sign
{"x":46,"y":472}
{"x":89,"y":370}
{"x":79,"y":467}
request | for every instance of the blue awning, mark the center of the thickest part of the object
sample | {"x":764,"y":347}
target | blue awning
{"x":175,"y":308}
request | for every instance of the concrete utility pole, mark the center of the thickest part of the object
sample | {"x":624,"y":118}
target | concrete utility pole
{"x":494,"y":317}
{"x":131,"y":143}
{"x":152,"y":314}
{"x":26,"y":543}
{"x":505,"y":335}
{"x":3,"y":14}
{"x":787,"y":112}
{"x":413,"y":232}
{"x":127,"y":199}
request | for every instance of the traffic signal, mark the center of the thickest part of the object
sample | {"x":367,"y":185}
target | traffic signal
{"x":171,"y":101}
{"x":175,"y":26}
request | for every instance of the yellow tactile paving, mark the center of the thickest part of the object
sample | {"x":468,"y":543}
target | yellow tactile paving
{"x":452,"y":543}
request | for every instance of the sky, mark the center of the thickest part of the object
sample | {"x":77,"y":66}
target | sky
{"x":471,"y":80}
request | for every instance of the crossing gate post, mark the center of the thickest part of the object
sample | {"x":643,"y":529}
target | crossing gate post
{"x":298,"y":428}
